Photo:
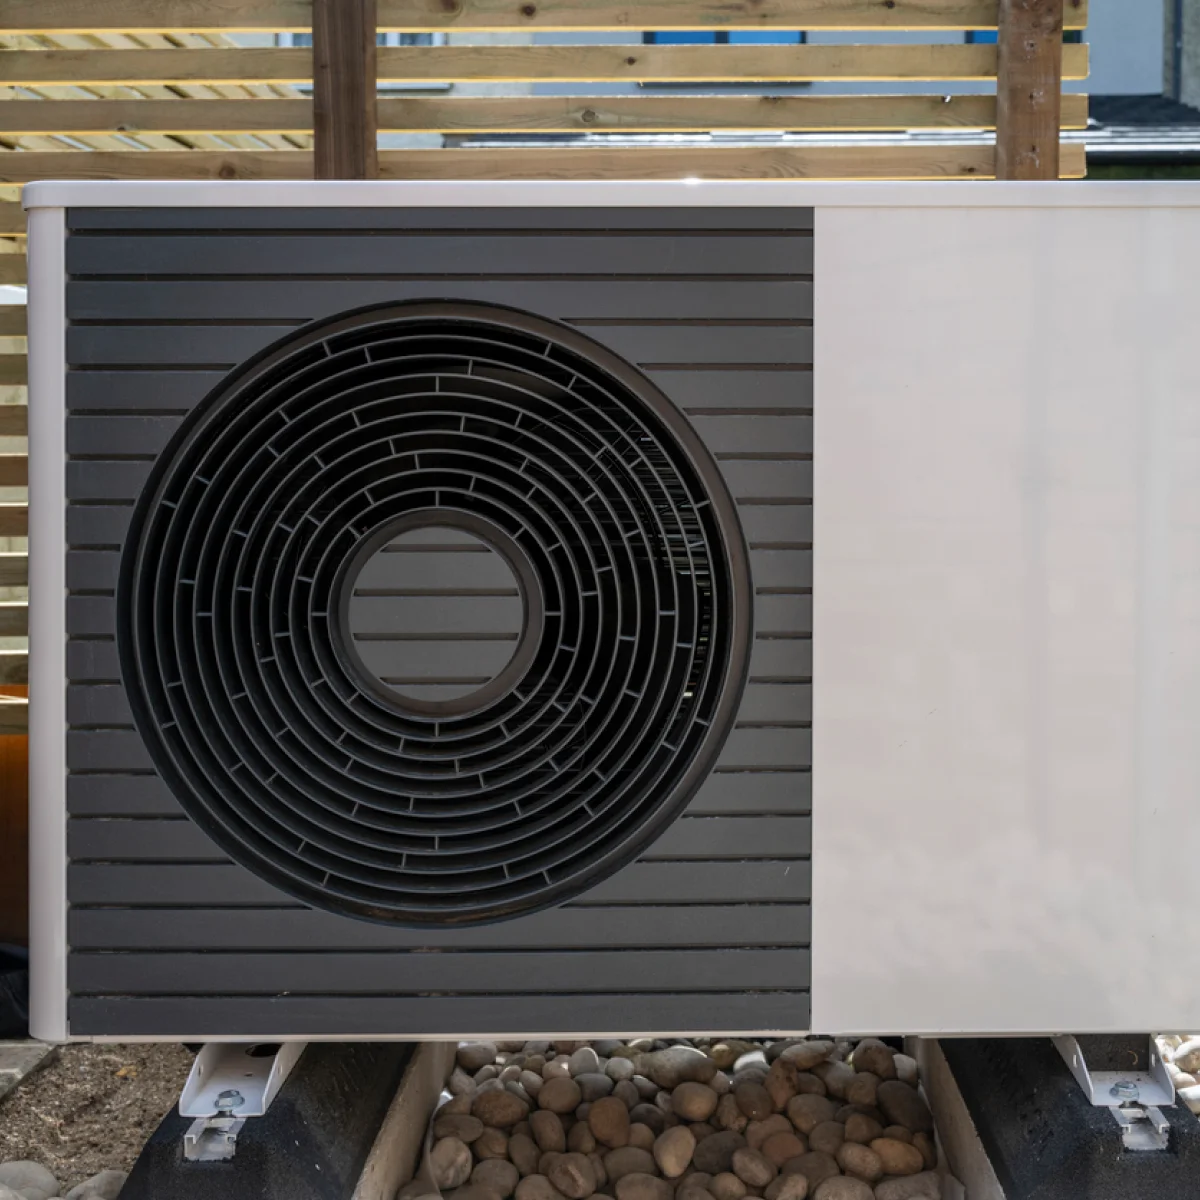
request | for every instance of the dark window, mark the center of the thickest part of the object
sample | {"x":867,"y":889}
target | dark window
{"x":724,"y":37}
{"x":987,"y":37}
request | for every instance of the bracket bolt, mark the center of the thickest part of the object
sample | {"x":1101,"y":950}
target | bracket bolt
{"x":1124,"y":1090}
{"x":228,"y":1101}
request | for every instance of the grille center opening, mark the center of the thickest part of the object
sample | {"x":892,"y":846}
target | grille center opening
{"x":437,"y":612}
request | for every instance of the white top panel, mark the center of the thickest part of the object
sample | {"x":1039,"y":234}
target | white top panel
{"x":680,"y":193}
{"x":1006,"y":754}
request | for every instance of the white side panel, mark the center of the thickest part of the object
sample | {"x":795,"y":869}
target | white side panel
{"x":47,"y":628}
{"x":1006,"y":755}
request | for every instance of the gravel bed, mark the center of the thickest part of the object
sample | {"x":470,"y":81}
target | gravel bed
{"x":704,"y":1120}
{"x":1181,"y":1053}
{"x":81,"y":1121}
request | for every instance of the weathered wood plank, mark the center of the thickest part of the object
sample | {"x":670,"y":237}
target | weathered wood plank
{"x":14,"y":470}
{"x":14,"y":714}
{"x":523,"y":114}
{"x":1029,"y":89}
{"x":13,"y":370}
{"x":514,"y":64}
{"x":14,"y":520}
{"x":14,"y":667}
{"x":136,"y":16}
{"x":756,"y":162}
{"x":13,"y":269}
{"x":14,"y":418}
{"x":12,"y":216}
{"x":14,"y":618}
{"x":12,"y":320}
{"x":343,"y":109}
{"x":14,"y":569}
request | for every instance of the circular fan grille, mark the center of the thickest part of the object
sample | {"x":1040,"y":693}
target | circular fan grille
{"x":248,"y":550}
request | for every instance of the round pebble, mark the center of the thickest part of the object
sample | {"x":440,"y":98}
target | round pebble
{"x":782,"y":1082}
{"x":787,"y":1187}
{"x":473,"y":1055}
{"x":24,"y":1175}
{"x":729,"y":1116}
{"x":754,"y":1100}
{"x":584,"y":1061}
{"x":898,"y":1158}
{"x":581,"y":1139}
{"x":641,"y":1136}
{"x":807,"y":1112}
{"x":835,"y":1076}
{"x":466,"y":1129}
{"x":560,"y":1095}
{"x":497,"y":1176}
{"x":500,"y":1109}
{"x":926,"y":1186}
{"x":618,"y":1069}
{"x":547,"y":1131}
{"x":780,"y":1147}
{"x":450,"y":1162}
{"x":537,"y":1187}
{"x":573,"y":1175}
{"x":727,"y":1186}
{"x":673,"y":1151}
{"x":898,"y":1132}
{"x":862,"y":1129}
{"x":753,"y":1168}
{"x":643,"y":1187}
{"x":860,"y":1161}
{"x":827,"y":1137}
{"x":715,"y":1154}
{"x":876,"y":1057}
{"x":862,"y":1089}
{"x":844,"y":1188}
{"x":757,"y":1132}
{"x":491,"y":1143}
{"x":806,"y":1055}
{"x":814,"y":1166}
{"x":694,"y":1101}
{"x":901,"y":1105}
{"x":628,"y":1160}
{"x":524,"y":1153}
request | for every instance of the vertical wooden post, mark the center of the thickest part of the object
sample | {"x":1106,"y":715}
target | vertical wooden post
{"x":1029,"y":89}
{"x":344,"y":121}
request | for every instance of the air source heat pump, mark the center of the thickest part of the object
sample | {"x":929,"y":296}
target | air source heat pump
{"x":438,"y":589}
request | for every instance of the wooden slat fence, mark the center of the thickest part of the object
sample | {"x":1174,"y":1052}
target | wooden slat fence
{"x":114,"y":90}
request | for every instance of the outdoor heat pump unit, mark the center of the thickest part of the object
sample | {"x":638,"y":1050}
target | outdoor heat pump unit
{"x":585,"y":609}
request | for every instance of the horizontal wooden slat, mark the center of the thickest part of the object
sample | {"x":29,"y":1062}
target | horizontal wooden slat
{"x":526,"y":114}
{"x":495,"y":64}
{"x":14,"y":418}
{"x":14,"y":570}
{"x":14,"y":618}
{"x":14,"y":714}
{"x":12,"y":319}
{"x":85,"y":16}
{"x":13,"y":269}
{"x":14,"y":470}
{"x":14,"y":520}
{"x":14,"y":666}
{"x":13,"y":369}
{"x":923,"y":161}
{"x":12,"y":218}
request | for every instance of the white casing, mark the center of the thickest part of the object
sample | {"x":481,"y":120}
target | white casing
{"x":1006,"y":581}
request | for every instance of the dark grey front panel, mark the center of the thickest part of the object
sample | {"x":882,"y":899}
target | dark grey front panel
{"x":710,"y":929}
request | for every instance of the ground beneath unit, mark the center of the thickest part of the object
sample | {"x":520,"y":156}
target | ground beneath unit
{"x":91,"y":1108}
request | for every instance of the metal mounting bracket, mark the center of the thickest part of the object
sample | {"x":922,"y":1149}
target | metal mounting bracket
{"x":228,"y":1084}
{"x":1132,"y":1096}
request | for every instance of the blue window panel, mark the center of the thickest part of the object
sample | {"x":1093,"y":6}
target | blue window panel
{"x":682,"y":39}
{"x":981,"y":37}
{"x":767,"y":37}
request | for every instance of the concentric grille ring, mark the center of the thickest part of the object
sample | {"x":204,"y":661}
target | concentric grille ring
{"x":233,"y":594}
